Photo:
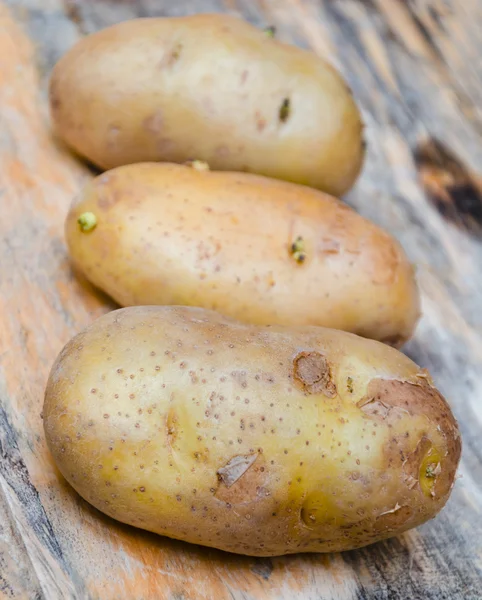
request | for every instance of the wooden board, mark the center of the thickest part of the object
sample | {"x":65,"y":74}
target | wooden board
{"x":416,"y":69}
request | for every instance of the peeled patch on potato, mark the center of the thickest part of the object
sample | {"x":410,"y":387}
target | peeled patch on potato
{"x":257,"y":440}
{"x":208,"y":87}
{"x":255,"y":249}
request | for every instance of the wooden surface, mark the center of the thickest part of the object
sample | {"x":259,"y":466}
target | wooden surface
{"x":416,"y":69}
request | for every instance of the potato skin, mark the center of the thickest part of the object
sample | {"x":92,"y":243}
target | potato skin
{"x":169,"y":234}
{"x":208,"y":87}
{"x":256,"y":440}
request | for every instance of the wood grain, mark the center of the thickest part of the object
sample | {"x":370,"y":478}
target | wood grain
{"x":415,"y":69}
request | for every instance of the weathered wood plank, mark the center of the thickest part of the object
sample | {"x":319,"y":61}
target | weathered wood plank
{"x":415,"y":69}
{"x":17,"y":575}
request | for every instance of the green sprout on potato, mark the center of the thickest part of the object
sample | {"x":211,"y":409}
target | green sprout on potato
{"x":87,"y":222}
{"x":176,"y":52}
{"x":297,"y":250}
{"x":198,"y":165}
{"x":270,"y":31}
{"x":284,"y":110}
{"x":432,"y":470}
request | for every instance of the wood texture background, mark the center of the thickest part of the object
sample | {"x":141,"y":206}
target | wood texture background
{"x":416,"y":70}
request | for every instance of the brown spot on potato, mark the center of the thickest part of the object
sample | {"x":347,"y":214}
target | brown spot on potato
{"x":329,"y":246}
{"x":374,"y":407}
{"x":260,"y":121}
{"x":386,"y":400}
{"x":242,"y":479}
{"x":411,"y":465}
{"x":235,"y":468}
{"x":414,"y":398}
{"x":171,"y":57}
{"x":107,"y":197}
{"x":154,"y":123}
{"x":393,"y":519}
{"x":312,"y":370}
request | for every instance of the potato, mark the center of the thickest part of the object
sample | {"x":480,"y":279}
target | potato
{"x":257,"y":440}
{"x":256,"y":249}
{"x":209,"y":87}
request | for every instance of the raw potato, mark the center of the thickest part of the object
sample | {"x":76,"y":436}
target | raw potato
{"x":261,"y":441}
{"x":209,"y":87}
{"x":256,"y":249}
